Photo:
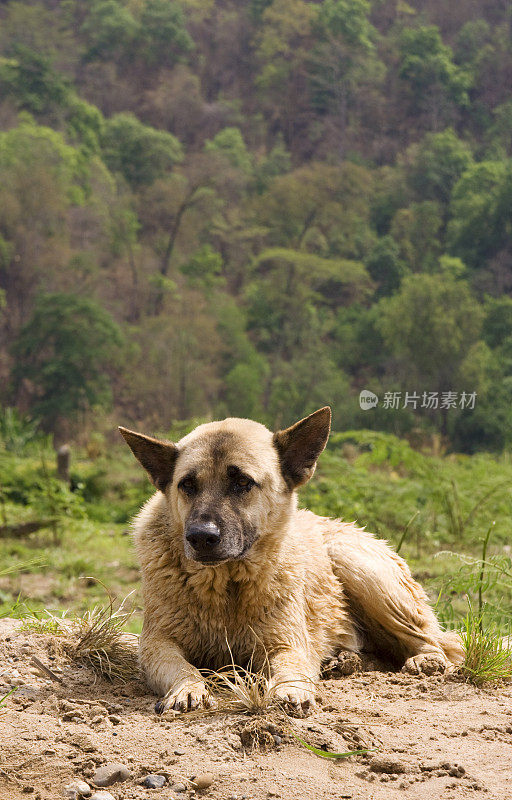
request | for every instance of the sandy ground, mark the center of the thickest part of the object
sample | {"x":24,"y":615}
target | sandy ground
{"x":436,"y":737}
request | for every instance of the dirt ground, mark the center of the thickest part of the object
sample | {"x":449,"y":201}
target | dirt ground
{"x":435,"y":737}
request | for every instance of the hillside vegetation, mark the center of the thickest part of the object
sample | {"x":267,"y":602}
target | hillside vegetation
{"x":256,"y":208}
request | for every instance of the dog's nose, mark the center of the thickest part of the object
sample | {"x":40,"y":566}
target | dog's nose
{"x":203,"y":535}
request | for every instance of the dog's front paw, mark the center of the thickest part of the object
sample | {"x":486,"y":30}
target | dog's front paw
{"x":425,"y":664}
{"x":186,"y":697}
{"x":297,"y":695}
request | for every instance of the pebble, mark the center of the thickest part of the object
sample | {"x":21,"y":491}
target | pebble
{"x":203,"y":781}
{"x":77,"y":789}
{"x":102,"y":796}
{"x":108,"y":774}
{"x":179,"y":752}
{"x":154,"y":781}
{"x":179,"y":787}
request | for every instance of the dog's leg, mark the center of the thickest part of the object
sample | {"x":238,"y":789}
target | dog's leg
{"x":379,"y":584}
{"x":169,"y":674}
{"x":293,"y":679}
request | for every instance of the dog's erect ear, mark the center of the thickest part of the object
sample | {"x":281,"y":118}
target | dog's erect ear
{"x":157,"y":457}
{"x":300,"y":445}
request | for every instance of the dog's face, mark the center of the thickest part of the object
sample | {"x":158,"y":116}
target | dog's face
{"x":229,"y":483}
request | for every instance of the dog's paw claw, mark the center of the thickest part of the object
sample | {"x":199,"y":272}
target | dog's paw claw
{"x":425,"y":664}
{"x":159,"y":707}
{"x":297,"y":701}
{"x":188,"y":697}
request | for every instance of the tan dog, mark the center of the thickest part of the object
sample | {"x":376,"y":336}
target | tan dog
{"x":227,"y":557}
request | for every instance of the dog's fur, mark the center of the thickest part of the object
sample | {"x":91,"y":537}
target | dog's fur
{"x":274,"y":581}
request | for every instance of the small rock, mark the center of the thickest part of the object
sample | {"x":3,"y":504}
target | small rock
{"x":102,"y":796}
{"x":108,"y":774}
{"x":203,"y":781}
{"x":179,"y":787}
{"x":179,"y":752}
{"x":77,"y":789}
{"x":73,"y":716}
{"x":114,"y":719}
{"x":154,"y":781}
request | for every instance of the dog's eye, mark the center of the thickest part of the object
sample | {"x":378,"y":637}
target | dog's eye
{"x":188,"y":485}
{"x":242,"y":483}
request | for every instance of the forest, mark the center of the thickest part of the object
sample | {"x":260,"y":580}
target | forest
{"x":256,"y":208}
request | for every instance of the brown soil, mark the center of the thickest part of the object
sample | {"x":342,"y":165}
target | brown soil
{"x":436,"y":737}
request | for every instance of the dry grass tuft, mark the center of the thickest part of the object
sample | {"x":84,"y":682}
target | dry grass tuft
{"x":102,"y":644}
{"x":240,"y":690}
{"x":244,"y":690}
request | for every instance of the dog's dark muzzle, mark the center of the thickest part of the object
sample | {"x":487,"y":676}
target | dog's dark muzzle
{"x":204,"y":539}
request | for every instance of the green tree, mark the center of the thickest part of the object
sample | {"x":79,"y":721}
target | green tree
{"x":436,"y":164}
{"x":290,"y":288}
{"x":284,"y":31}
{"x":436,"y":84}
{"x":282,"y":46}
{"x":432,"y":326}
{"x":230,"y":143}
{"x":85,"y":124}
{"x":385,"y":266}
{"x":311,"y":377}
{"x":109,"y":30}
{"x":139,"y":152}
{"x":204,"y":269}
{"x":41,"y":179}
{"x":481,"y":225}
{"x":38,"y":29}
{"x":499,"y":134}
{"x":32,"y":82}
{"x":64,"y":354}
{"x":320,"y":207}
{"x":244,"y":370}
{"x":343,"y":61}
{"x":277,"y":162}
{"x":497,"y":327}
{"x":162,"y":38}
{"x":416,"y":230}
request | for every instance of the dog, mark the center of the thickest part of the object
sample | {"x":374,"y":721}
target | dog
{"x":231,"y":568}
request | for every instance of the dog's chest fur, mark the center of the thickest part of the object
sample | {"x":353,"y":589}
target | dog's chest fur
{"x":239,"y":610}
